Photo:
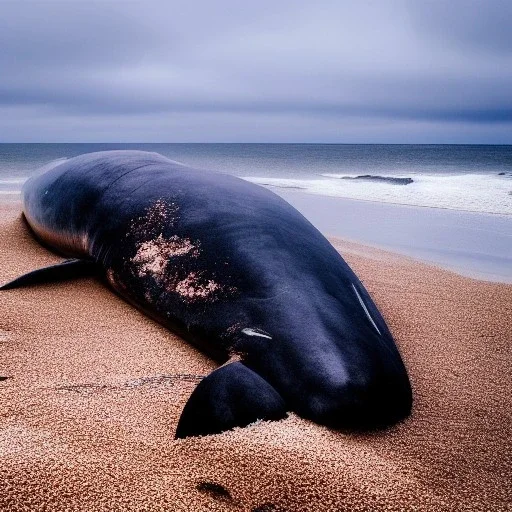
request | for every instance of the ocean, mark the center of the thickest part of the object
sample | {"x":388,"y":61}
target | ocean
{"x":455,"y":200}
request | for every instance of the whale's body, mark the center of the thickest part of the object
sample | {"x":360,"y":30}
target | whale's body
{"x":239,"y":273}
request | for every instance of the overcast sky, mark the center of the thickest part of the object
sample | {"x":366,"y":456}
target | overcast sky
{"x":267,"y":71}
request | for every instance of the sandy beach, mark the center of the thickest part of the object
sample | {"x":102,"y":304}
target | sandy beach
{"x":92,"y":390}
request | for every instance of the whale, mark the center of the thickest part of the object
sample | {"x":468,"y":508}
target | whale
{"x":236,"y":271}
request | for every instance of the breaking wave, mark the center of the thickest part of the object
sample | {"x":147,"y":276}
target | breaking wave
{"x":13,"y":181}
{"x":469,"y":192}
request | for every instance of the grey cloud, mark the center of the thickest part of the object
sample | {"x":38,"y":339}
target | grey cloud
{"x":331,"y":63}
{"x":471,"y":24}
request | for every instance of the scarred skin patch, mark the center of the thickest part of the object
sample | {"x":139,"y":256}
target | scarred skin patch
{"x":158,"y":256}
{"x":192,"y":288}
{"x":153,"y":256}
{"x":159,"y":214}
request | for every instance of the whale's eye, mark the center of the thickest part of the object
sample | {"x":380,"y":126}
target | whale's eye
{"x":250,"y":331}
{"x":363,"y":305}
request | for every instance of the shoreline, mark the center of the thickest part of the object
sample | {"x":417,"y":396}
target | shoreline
{"x":95,"y":390}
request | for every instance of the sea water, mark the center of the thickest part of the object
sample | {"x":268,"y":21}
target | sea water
{"x":458,"y":198}
{"x":474,"y":178}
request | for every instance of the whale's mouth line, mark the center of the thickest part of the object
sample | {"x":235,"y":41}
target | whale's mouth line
{"x":365,"y":309}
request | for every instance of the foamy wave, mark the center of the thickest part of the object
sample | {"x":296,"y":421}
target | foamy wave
{"x":469,"y":192}
{"x":12,"y":186}
{"x":13,"y":181}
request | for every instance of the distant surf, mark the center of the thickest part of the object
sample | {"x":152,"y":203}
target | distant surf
{"x":467,"y":192}
{"x":11,"y":186}
{"x":13,"y":181}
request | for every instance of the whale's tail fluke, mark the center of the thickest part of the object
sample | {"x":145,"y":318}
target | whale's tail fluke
{"x":69,"y":269}
{"x":231,"y":396}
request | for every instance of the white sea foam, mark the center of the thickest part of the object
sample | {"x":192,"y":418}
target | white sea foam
{"x":469,"y":192}
{"x":13,"y":181}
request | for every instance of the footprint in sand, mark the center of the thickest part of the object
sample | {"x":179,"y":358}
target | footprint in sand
{"x":215,"y":490}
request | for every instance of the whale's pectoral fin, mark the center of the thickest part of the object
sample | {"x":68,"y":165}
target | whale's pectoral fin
{"x":231,"y":396}
{"x":68,"y":269}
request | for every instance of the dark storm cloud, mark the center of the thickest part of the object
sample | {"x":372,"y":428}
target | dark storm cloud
{"x":254,"y":68}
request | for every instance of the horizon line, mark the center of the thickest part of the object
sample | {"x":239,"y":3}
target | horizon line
{"x":279,"y":143}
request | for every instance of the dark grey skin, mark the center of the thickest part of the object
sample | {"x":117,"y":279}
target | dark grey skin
{"x":238,"y":272}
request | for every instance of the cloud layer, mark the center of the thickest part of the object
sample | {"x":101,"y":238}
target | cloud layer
{"x":399,"y":71}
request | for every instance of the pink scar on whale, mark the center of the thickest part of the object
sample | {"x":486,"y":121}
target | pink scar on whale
{"x":191,"y":288}
{"x":159,"y":214}
{"x":153,"y":256}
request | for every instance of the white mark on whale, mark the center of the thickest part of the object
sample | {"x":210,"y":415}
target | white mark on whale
{"x":159,"y":214}
{"x":153,"y":256}
{"x":254,"y":332}
{"x":365,"y":308}
{"x":191,"y":288}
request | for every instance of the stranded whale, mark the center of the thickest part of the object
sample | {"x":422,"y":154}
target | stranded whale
{"x":238,"y":272}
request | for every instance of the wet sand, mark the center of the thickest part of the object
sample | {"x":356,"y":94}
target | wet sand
{"x":95,"y":389}
{"x":472,"y":244}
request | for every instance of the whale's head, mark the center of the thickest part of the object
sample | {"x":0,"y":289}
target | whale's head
{"x":331,"y":357}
